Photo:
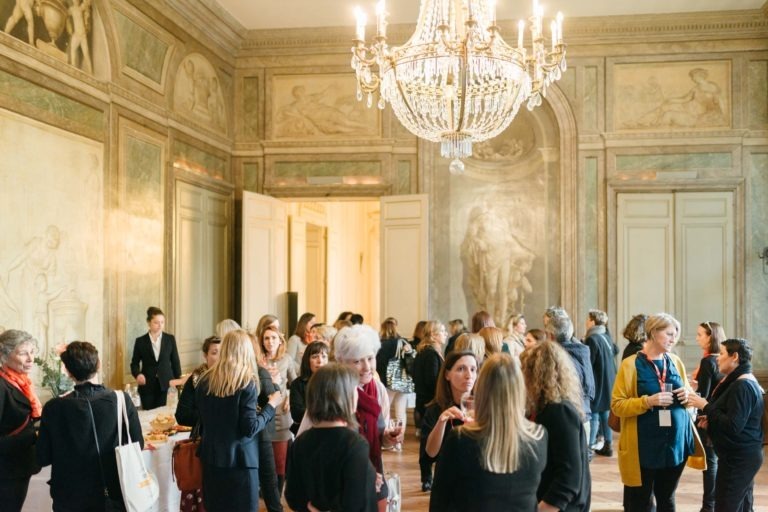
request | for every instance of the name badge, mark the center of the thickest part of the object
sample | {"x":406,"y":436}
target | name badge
{"x":665,"y":418}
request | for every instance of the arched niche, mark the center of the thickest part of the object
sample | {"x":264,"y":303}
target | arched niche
{"x":503,"y":234}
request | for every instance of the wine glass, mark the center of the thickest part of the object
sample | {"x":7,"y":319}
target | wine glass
{"x":468,"y":406}
{"x":396,"y":427}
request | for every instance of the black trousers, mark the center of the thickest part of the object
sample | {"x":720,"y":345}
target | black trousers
{"x":735,"y":481}
{"x":708,"y":498}
{"x":268,"y":475}
{"x":152,"y":396}
{"x":660,"y":483}
{"x":13,"y":492}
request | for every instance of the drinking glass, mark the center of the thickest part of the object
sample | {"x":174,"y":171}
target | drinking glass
{"x":396,"y":427}
{"x":468,"y":406}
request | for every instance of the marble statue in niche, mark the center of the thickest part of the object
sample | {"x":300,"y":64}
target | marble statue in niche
{"x":495,"y":264}
{"x":672,"y":96}
{"x":70,"y":45}
{"x":320,"y":107}
{"x":198,"y":92}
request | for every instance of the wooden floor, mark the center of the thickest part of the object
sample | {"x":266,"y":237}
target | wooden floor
{"x":606,"y":483}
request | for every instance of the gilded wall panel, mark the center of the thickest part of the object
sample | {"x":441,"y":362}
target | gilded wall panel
{"x":51,"y":106}
{"x":250,"y":108}
{"x":144,"y":53}
{"x":52,"y":257}
{"x":674,"y":162}
{"x":251,"y":172}
{"x":757,"y":100}
{"x":141,"y":219}
{"x":319,"y":107}
{"x":590,"y":231}
{"x":670,"y":96}
{"x":403,"y":180}
{"x":192,"y":158}
{"x":590,"y":99}
{"x":757,"y":269}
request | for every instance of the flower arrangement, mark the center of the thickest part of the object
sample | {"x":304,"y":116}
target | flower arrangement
{"x":54,"y":377}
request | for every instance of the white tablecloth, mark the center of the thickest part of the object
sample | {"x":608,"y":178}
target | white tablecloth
{"x":158,"y":461}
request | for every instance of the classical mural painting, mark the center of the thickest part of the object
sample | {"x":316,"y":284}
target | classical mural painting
{"x":198,"y":94}
{"x":312,"y":106}
{"x":67,"y":28}
{"x":676,"y":96}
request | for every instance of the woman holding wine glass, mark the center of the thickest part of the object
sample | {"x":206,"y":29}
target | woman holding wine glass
{"x":494,"y":462}
{"x":454,"y":383}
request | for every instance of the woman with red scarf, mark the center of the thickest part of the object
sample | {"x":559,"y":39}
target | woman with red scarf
{"x":19,"y":407}
{"x":357,"y":346}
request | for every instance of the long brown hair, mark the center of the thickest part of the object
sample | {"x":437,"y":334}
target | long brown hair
{"x":550,"y":376}
{"x":716,"y":336}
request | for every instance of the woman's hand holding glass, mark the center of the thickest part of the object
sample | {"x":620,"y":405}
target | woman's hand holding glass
{"x":452,"y":413}
{"x":275,"y":398}
{"x":660,"y":399}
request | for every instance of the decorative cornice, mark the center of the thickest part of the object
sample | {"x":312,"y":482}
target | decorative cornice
{"x":206,"y":21}
{"x":765,"y":9}
{"x":652,"y":28}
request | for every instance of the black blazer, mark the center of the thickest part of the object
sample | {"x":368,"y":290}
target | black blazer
{"x":66,"y":442}
{"x":229,"y":427}
{"x":166,"y":368}
{"x":17,"y":456}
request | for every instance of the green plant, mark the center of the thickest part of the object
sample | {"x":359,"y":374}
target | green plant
{"x":54,"y":377}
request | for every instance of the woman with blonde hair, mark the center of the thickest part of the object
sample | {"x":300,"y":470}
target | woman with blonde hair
{"x":494,"y":341}
{"x":226,"y":399}
{"x":473,"y":343}
{"x":494,"y":462}
{"x":554,"y":398}
{"x":426,"y":366}
{"x":516,"y":327}
{"x":281,"y":369}
{"x":650,"y":396}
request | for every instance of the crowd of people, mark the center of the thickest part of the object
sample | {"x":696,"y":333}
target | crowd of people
{"x":506,"y":419}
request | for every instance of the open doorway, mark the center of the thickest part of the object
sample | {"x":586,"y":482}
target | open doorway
{"x":333,"y":257}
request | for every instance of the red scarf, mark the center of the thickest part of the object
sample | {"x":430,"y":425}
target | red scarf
{"x":367,"y":414}
{"x":23,"y":383}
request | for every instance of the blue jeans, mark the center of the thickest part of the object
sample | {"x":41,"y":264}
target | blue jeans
{"x":598,"y":424}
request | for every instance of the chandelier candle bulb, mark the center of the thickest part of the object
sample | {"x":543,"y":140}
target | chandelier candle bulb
{"x":492,"y":11}
{"x":361,"y":20}
{"x":381,"y":22}
{"x":520,"y":30}
{"x":560,"y":27}
{"x":553,"y":28}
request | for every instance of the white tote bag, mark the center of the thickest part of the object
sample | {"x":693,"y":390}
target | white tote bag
{"x":139,"y":486}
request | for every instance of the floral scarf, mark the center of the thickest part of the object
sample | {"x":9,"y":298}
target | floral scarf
{"x":367,"y":414}
{"x":23,"y":383}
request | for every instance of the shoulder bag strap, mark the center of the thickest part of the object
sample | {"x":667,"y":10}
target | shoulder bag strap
{"x":122,"y":415}
{"x":98,"y":450}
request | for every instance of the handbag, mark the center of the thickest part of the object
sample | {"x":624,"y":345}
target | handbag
{"x":614,"y":422}
{"x":397,"y":376}
{"x":394,"y":500}
{"x":139,"y":485}
{"x":187,"y":467}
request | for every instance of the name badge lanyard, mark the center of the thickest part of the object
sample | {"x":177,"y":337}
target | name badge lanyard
{"x":662,"y":376}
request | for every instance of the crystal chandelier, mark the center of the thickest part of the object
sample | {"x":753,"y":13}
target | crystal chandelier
{"x":456,"y":81}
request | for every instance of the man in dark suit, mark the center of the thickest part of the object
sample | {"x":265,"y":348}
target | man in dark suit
{"x":155,"y":361}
